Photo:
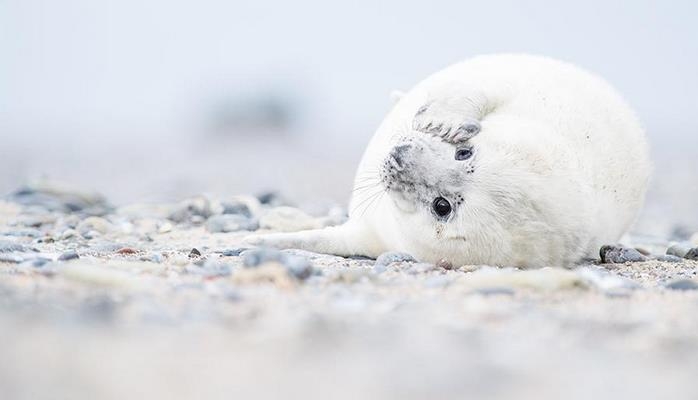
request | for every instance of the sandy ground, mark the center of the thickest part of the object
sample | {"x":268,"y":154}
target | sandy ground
{"x":104,"y":303}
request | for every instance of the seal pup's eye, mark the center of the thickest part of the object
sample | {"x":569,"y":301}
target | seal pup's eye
{"x":463,"y":154}
{"x":441,"y":207}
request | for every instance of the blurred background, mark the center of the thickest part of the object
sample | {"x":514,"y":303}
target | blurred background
{"x":158,"y":100}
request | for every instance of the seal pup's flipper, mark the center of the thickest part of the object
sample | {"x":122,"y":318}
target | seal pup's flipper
{"x":452,"y":112}
{"x":349,"y":239}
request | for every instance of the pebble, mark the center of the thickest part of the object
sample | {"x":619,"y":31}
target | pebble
{"x":233,"y":252}
{"x":271,"y":198}
{"x":619,"y":255}
{"x":605,"y":281}
{"x":297,"y":266}
{"x":682,"y":284}
{"x":56,"y":197}
{"x":288,"y":219}
{"x":32,"y":233}
{"x":194,"y":253}
{"x":379,"y":268}
{"x":7,"y":246}
{"x":692,"y":254}
{"x":97,"y":224}
{"x":257,"y":257}
{"x":394,"y":257}
{"x":669,"y":258}
{"x":444,"y":264}
{"x":69,"y":255}
{"x":210,"y":268}
{"x":126,"y":250}
{"x":420,"y":268}
{"x":678,"y":250}
{"x":236,"y":207}
{"x":68,"y":234}
{"x":11,"y":258}
{"x":680,"y":232}
{"x":230,"y":223}
{"x":195,"y":209}
{"x":165,"y":228}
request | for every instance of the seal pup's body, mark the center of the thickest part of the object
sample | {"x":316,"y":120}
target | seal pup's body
{"x":501,"y":160}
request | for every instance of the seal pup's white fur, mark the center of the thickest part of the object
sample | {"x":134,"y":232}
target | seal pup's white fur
{"x":553,"y":164}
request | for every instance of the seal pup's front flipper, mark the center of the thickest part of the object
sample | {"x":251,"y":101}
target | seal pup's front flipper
{"x":452,"y":112}
{"x":349,"y":239}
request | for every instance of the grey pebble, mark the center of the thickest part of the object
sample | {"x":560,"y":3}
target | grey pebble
{"x":11,"y":258}
{"x":669,"y":258}
{"x":692,"y":254}
{"x":7,"y":246}
{"x":605,"y":281}
{"x":394,"y":257}
{"x":379,"y":268}
{"x":69,"y":255}
{"x":420,"y":268}
{"x":194,"y":210}
{"x":619,"y":255}
{"x":231,"y":223}
{"x":40,"y":262}
{"x":233,"y":252}
{"x":58,"y":198}
{"x":210,"y":268}
{"x":272,"y":198}
{"x":32,"y":233}
{"x":236,"y":208}
{"x":153,"y":257}
{"x":257,"y":257}
{"x":682,"y":284}
{"x":297,"y":266}
{"x":678,"y":250}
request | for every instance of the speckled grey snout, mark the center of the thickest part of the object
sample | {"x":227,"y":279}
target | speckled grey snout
{"x":396,"y":158}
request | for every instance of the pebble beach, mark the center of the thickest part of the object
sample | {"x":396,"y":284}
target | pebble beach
{"x":162,"y":300}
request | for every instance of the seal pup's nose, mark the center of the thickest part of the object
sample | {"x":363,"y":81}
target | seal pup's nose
{"x":397,"y":156}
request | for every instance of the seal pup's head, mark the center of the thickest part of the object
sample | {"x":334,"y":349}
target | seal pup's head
{"x":473,"y":200}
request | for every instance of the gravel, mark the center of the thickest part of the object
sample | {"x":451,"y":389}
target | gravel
{"x":177,"y":297}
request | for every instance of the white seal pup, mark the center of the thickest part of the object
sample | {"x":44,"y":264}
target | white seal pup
{"x":508,"y":160}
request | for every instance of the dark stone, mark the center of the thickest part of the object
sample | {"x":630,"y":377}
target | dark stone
{"x":194,"y":253}
{"x":236,"y":208}
{"x":619,"y":255}
{"x":445,"y":264}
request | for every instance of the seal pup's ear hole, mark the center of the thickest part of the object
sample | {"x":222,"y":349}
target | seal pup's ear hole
{"x":396,"y":96}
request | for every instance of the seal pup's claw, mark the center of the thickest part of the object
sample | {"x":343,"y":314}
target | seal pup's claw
{"x":449,"y":126}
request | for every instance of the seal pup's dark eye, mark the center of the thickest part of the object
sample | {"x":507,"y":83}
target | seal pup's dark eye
{"x":463,"y":154}
{"x":441,"y":207}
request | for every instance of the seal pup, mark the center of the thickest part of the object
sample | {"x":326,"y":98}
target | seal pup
{"x":507,"y":160}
